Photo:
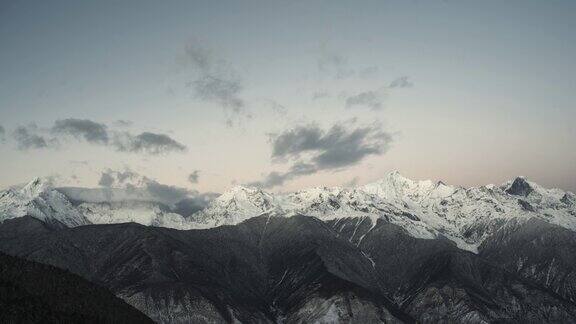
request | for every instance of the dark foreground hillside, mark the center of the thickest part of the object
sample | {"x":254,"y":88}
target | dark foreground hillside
{"x":31,"y":292}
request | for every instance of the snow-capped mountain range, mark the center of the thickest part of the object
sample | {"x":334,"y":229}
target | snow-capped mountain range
{"x":392,"y":251}
{"x":38,"y":199}
{"x":425,"y":209}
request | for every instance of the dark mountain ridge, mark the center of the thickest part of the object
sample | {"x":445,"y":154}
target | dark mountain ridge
{"x":292,"y":269}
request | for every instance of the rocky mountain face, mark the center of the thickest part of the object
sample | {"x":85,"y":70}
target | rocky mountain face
{"x":538,"y":251}
{"x":263,"y":270}
{"x":296,"y":269}
{"x":392,"y":251}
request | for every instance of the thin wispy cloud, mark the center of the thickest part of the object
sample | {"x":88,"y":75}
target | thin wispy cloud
{"x":221,"y":90}
{"x":336,"y":65}
{"x":275,"y":178}
{"x":320,"y":95}
{"x":333,"y":64}
{"x":369,"y":71}
{"x":146,"y":142}
{"x":2,"y":134}
{"x":277,"y":108}
{"x":214,"y":80}
{"x":373,"y":99}
{"x":401,"y":82}
{"x":123,"y":123}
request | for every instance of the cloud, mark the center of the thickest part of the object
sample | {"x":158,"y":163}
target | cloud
{"x":352,"y":183}
{"x":368,"y":71}
{"x":2,"y":133}
{"x":221,"y":90}
{"x":184,"y":201}
{"x":335,"y":65}
{"x":133,"y":181}
{"x":277,"y":108}
{"x":88,"y":130}
{"x":79,"y":162}
{"x":320,"y":95}
{"x":296,"y":140}
{"x":195,"y":203}
{"x":150,"y":143}
{"x":214,"y":80}
{"x":27,"y":138}
{"x":106,"y":180}
{"x":371,"y":99}
{"x":167,"y":193}
{"x":111,"y":178}
{"x":313,"y":149}
{"x":274,"y":179}
{"x":123,"y":123}
{"x":339,"y":146}
{"x":194,"y":176}
{"x":401,"y":82}
{"x":201,"y":58}
{"x":98,"y":134}
{"x":374,"y":99}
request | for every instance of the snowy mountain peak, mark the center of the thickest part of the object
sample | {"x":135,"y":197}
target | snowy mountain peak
{"x":568,"y":199}
{"x":395,"y":187}
{"x":519,"y":187}
{"x":395,"y":177}
{"x":35,"y":187}
{"x":38,"y":199}
{"x":241,"y":193}
{"x":234,"y":206}
{"x":240,"y":197}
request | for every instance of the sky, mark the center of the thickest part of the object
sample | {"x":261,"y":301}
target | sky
{"x":287,"y":94}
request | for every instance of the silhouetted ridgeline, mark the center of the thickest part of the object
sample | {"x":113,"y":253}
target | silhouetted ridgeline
{"x":31,"y":292}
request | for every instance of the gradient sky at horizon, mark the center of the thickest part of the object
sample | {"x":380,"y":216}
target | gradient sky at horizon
{"x":470,"y":92}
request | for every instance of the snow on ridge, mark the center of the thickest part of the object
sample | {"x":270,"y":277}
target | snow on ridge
{"x":425,"y":209}
{"x":234,"y":206}
{"x":38,"y":199}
